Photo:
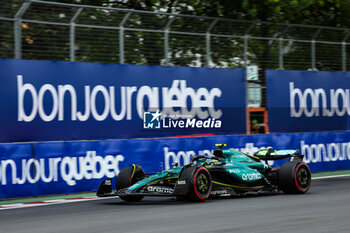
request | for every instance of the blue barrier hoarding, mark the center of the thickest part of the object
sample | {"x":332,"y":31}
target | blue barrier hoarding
{"x":68,"y":167}
{"x":47,"y":100}
{"x":308,"y":101}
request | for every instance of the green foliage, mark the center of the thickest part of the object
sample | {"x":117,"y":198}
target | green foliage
{"x":102,"y":45}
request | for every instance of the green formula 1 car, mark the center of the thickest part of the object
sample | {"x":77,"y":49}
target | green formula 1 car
{"x":227,"y":172}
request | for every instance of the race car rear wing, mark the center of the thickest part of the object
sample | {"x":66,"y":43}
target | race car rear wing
{"x":272,"y":154}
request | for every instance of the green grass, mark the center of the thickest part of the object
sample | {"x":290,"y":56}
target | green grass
{"x":335,"y":173}
{"x":45,"y":198}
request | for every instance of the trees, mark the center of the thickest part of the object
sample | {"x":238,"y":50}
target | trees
{"x":102,"y":45}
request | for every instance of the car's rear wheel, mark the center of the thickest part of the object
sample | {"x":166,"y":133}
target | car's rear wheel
{"x":294,"y":177}
{"x":199,"y":183}
{"x":127,"y":177}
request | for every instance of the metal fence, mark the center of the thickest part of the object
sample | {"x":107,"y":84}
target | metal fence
{"x":33,"y":29}
{"x":55,"y":31}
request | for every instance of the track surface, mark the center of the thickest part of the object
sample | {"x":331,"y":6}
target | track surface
{"x":325,"y":208}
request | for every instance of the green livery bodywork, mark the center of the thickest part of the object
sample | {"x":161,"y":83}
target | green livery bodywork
{"x":234,"y":169}
{"x":231,"y":172}
{"x":158,"y":177}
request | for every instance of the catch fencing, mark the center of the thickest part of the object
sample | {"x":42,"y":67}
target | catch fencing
{"x":34,"y":29}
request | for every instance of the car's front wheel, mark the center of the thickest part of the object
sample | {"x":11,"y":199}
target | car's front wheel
{"x":127,"y":177}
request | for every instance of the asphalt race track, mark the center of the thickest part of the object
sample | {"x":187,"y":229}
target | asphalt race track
{"x":325,"y":208}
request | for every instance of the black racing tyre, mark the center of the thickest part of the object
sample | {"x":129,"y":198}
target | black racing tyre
{"x":294,"y":177}
{"x":127,"y":177}
{"x":199,"y":183}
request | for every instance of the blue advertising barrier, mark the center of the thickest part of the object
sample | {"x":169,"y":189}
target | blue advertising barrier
{"x":49,"y":101}
{"x":68,"y":167}
{"x":308,"y":101}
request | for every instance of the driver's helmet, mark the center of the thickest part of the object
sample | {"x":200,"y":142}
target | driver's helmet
{"x":218,"y":153}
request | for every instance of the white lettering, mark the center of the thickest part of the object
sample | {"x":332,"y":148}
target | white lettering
{"x":22,"y":116}
{"x":71,"y":169}
{"x":86,"y":115}
{"x":315,"y":97}
{"x":95,"y":114}
{"x":62,"y":89}
{"x":177,"y":96}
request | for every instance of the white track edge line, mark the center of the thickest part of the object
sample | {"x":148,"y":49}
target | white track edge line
{"x":329,"y":177}
{"x":61,"y":201}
